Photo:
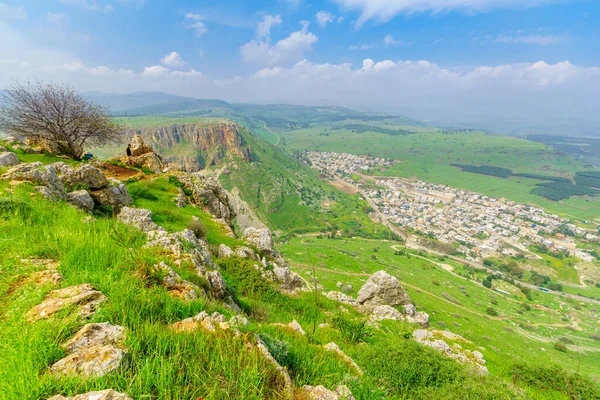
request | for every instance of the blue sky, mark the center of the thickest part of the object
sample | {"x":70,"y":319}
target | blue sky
{"x":358,"y":53}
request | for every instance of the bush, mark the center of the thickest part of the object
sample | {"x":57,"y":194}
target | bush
{"x":198,"y":228}
{"x":561,"y":347}
{"x":353,"y":331}
{"x":492,"y":311}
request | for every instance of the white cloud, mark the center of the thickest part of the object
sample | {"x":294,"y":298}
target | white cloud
{"x":197,"y":24}
{"x":323,"y":18}
{"x":541,"y":40}
{"x":362,"y":47}
{"x":155,"y":70}
{"x":57,"y":18}
{"x":90,"y":5}
{"x":8,"y":12}
{"x":389,"y":40}
{"x":264,"y":27}
{"x":285,"y":51}
{"x":173,"y":59}
{"x":385,"y":10}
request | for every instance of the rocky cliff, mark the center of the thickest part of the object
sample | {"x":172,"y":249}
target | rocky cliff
{"x":195,"y":146}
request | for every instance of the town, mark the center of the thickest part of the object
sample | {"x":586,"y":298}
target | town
{"x":482,"y":226}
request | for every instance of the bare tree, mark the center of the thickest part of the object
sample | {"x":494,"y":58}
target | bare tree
{"x":56,"y":116}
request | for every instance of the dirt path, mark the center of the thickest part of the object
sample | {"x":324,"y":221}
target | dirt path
{"x":118,"y":172}
{"x":273,"y":133}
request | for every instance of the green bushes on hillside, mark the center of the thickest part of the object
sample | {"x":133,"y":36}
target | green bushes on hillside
{"x":485,"y":170}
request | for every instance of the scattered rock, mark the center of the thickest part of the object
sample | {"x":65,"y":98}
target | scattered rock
{"x":99,"y":334}
{"x":380,"y":289}
{"x":209,"y":195}
{"x":176,"y":286}
{"x":344,"y":288}
{"x":86,"y":176}
{"x":385,"y":312}
{"x":206,"y":322}
{"x":8,"y":159}
{"x":180,"y":201}
{"x":107,"y":394}
{"x":335,"y":348}
{"x":288,"y":392}
{"x":95,"y":361}
{"x":84,"y":296}
{"x":322,"y":393}
{"x":217,"y":284}
{"x":225,"y":251}
{"x":297,"y":327}
{"x":245,"y":252}
{"x":342,"y":298}
{"x":138,"y":217}
{"x":412,"y":315}
{"x":38,"y":175}
{"x":261,"y":239}
{"x":183,"y":245}
{"x":81,"y":199}
{"x":287,"y":279}
{"x":114,"y":195}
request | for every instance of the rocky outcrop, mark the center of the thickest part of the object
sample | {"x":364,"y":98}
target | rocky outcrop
{"x":225,"y":251}
{"x":107,"y":394}
{"x":320,"y":392}
{"x":342,"y":298}
{"x":8,"y":159}
{"x":211,"y":143}
{"x":84,"y":297}
{"x":262,"y":240}
{"x":138,"y":217}
{"x":81,"y":199}
{"x":437,"y":340}
{"x":43,"y":177}
{"x":94,"y":351}
{"x":115,"y":195}
{"x":380,"y":289}
{"x":209,"y":323}
{"x":86,"y":176}
{"x":209,"y":195}
{"x":336,"y":349}
{"x":176,"y":286}
{"x":139,"y":147}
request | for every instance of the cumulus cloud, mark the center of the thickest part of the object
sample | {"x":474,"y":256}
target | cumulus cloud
{"x":385,"y":10}
{"x":285,"y":51}
{"x":173,"y":59}
{"x":90,"y":5}
{"x":196,"y":23}
{"x":8,"y":12}
{"x":263,"y":30}
{"x":323,"y":18}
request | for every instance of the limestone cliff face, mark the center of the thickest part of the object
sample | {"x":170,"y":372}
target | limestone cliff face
{"x":195,"y":146}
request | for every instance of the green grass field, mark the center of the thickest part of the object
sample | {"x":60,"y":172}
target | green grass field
{"x":458,"y":304}
{"x":428,"y":155}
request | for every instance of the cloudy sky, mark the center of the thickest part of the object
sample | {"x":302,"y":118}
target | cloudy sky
{"x":525,"y":61}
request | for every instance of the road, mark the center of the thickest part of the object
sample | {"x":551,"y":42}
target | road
{"x":273,"y":133}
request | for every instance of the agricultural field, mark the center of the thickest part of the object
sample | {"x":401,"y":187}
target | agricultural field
{"x":414,"y":155}
{"x":522,"y":329}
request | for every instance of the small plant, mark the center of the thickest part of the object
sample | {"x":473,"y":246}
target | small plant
{"x":198,"y":228}
{"x":492,"y":311}
{"x":561,"y":347}
{"x":565,"y":340}
{"x":353,"y":331}
{"x":278,"y":348}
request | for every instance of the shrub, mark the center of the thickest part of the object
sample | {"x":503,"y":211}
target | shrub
{"x":353,"y":331}
{"x":565,"y":340}
{"x":560,"y":347}
{"x":198,"y":228}
{"x":492,"y":311}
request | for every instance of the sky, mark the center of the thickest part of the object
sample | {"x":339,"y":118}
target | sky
{"x":456,"y":61}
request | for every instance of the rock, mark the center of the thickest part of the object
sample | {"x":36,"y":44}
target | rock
{"x":261,"y":239}
{"x":344,"y":288}
{"x":288,"y":391}
{"x":114,"y":195}
{"x":95,"y":361}
{"x":382,"y":289}
{"x":81,"y":199}
{"x":225,"y":251}
{"x":415,"y":317}
{"x":203,"y":321}
{"x":294,"y":325}
{"x":84,"y":296}
{"x":107,"y":394}
{"x":209,"y":195}
{"x":322,"y":393}
{"x":335,"y":348}
{"x":138,"y":217}
{"x":176,"y":286}
{"x":49,"y":273}
{"x":8,"y":159}
{"x":183,"y":245}
{"x":421,"y":334}
{"x":287,"y":279}
{"x":217,"y":284}
{"x":342,"y":298}
{"x":139,"y":147}
{"x":99,"y":334}
{"x":86,"y":176}
{"x":12,"y":140}
{"x":385,"y":312}
{"x":181,"y":200}
{"x":245,"y":252}
{"x":39,"y":175}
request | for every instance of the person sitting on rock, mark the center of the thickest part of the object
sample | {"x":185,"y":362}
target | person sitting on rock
{"x":129,"y":160}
